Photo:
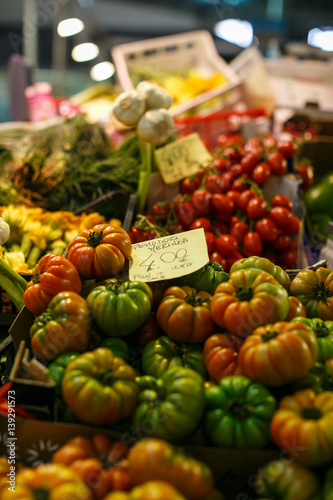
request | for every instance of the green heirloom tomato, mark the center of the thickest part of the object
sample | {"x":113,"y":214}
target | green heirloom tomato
{"x":164,"y":353}
{"x":64,"y":327}
{"x":319,"y":197}
{"x":315,"y":290}
{"x":118,"y":346}
{"x":324,"y":333}
{"x":57,"y":369}
{"x":173,"y":407}
{"x":287,"y":480}
{"x":238,"y":413}
{"x":265,"y":265}
{"x":119,"y":308}
{"x":205,"y":279}
{"x":100,"y":388}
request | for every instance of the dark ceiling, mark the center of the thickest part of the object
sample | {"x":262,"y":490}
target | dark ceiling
{"x":130,"y":20}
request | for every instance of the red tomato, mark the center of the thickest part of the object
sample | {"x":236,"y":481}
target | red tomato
{"x":185,"y":213}
{"x":269,"y":141}
{"x":234,"y":196}
{"x":227,"y":179}
{"x":306,"y":174}
{"x":199,"y":175}
{"x":226,"y":244}
{"x":239,"y":230}
{"x":210,"y":240}
{"x":252,"y":244}
{"x":287,"y":148}
{"x":293,"y":226}
{"x":201,"y":222}
{"x":277,"y":163}
{"x":221,"y":164}
{"x":244,"y":199}
{"x":281,"y":216}
{"x":189,"y":185}
{"x":261,"y":174}
{"x":289,"y":258}
{"x":267,"y":229}
{"x":201,"y":201}
{"x":257,"y":208}
{"x":51,"y":275}
{"x":232,"y":259}
{"x":160,"y":211}
{"x":249,"y":162}
{"x":239,"y":185}
{"x":222,"y":203}
{"x":235,"y":171}
{"x":215,"y":184}
{"x":282,"y":242}
{"x":296,"y":309}
{"x":280,"y":200}
{"x":101,"y":252}
{"x":217,"y":257}
{"x":234,"y":153}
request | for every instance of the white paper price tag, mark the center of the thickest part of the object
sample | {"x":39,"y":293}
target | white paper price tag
{"x":181,"y":158}
{"x":168,"y":257}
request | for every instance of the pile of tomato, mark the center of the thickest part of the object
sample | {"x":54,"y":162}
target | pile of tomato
{"x":226,"y":199}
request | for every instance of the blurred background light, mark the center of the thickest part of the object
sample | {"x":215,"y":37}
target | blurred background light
{"x":70,"y":27}
{"x":322,"y":38}
{"x":85,"y":52}
{"x":102,"y":71}
{"x":235,"y":31}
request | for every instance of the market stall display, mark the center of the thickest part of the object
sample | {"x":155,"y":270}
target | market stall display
{"x":231,"y":360}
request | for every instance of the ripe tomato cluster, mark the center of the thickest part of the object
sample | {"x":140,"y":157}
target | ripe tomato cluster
{"x":225,"y":199}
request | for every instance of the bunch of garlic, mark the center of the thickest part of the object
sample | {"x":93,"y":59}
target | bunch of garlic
{"x":146,"y":107}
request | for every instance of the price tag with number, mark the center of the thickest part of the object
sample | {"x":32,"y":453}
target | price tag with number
{"x":168,"y":257}
{"x":181,"y":158}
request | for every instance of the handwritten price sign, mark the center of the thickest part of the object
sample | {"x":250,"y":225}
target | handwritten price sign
{"x":181,"y":158}
{"x":168,"y":257}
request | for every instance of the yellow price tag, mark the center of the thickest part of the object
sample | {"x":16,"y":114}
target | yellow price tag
{"x":181,"y":158}
{"x":168,"y":257}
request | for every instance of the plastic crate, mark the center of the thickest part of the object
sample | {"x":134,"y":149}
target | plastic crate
{"x":223,"y":122}
{"x":195,"y":49}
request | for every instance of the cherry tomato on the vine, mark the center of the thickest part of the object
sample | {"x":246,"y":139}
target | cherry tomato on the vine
{"x":185,"y":213}
{"x":280,"y":200}
{"x":281,"y":216}
{"x":267,"y":229}
{"x":217,"y":257}
{"x":249,"y":162}
{"x":282,"y":242}
{"x":201,"y":222}
{"x":226,"y":244}
{"x":277,"y":163}
{"x":215,"y":184}
{"x":287,"y":148}
{"x":201,"y":201}
{"x":293,"y":226}
{"x":252,"y":244}
{"x":261,"y":174}
{"x":239,"y":230}
{"x":244,"y":199}
{"x":222,"y":203}
{"x":189,"y":185}
{"x":289,"y":258}
{"x":257,"y":208}
{"x":221,"y":164}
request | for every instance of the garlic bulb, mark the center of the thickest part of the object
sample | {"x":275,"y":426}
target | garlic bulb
{"x":129,"y":106}
{"x":155,"y":126}
{"x":156,"y":96}
{"x":4,"y":231}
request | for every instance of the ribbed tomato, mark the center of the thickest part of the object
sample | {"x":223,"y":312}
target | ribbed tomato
{"x":101,"y":252}
{"x":221,"y":355}
{"x":278,"y":354}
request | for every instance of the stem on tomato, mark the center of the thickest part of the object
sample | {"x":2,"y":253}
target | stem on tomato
{"x":322,"y":331}
{"x":321,"y":292}
{"x":311,"y":413}
{"x":243,"y":293}
{"x":239,"y":409}
{"x":94,"y":238}
{"x":41,"y":494}
{"x":269,"y":336}
{"x":193,"y":300}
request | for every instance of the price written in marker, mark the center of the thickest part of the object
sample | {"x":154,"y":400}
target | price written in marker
{"x":181,"y":158}
{"x":168,"y":257}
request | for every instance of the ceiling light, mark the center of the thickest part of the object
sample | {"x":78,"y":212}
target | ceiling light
{"x":70,"y":27}
{"x":235,"y":31}
{"x":322,"y":38}
{"x":102,"y":71}
{"x":85,"y":52}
